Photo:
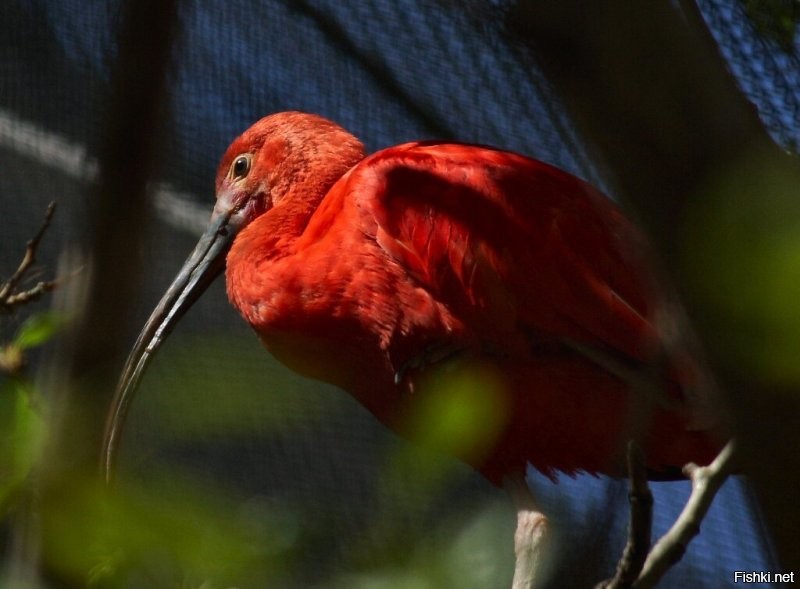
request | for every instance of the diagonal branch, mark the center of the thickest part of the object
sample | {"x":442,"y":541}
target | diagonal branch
{"x":706,"y":481}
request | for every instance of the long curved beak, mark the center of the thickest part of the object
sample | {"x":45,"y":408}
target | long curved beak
{"x":205,"y":263}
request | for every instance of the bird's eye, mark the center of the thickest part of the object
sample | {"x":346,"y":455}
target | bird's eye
{"x":240,"y":167}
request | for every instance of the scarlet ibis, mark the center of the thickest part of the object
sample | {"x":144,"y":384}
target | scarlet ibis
{"x":367,"y":271}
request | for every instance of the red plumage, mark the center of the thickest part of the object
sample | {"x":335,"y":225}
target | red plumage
{"x":373,"y":272}
{"x":350,"y":268}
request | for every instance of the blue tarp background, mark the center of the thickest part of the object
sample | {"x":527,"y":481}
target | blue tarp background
{"x":389,"y":71}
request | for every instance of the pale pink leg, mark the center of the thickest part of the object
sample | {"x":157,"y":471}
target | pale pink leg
{"x":531,"y":540}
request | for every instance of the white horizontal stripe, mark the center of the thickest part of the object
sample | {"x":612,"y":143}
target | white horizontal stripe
{"x":49,"y":149}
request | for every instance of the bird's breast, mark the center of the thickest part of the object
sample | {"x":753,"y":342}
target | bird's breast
{"x":349,"y":318}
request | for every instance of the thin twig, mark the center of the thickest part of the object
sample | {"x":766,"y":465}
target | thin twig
{"x":9,"y":298}
{"x":706,"y":481}
{"x":31,"y":294}
{"x":640,"y":526}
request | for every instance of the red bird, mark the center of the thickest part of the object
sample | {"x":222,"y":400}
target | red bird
{"x":369,"y":271}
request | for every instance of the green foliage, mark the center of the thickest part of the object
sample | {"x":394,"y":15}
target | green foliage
{"x":472,"y":553}
{"x":22,"y":427}
{"x":166,"y":534}
{"x":460,"y":412}
{"x":191,"y":400}
{"x":21,"y":436}
{"x":38,"y":329}
{"x":175,"y":530}
{"x":742,"y":257}
{"x":196,"y":391}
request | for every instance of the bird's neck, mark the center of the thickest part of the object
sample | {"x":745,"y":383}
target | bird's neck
{"x":263,"y":252}
{"x":297,"y":194}
{"x":273,"y":234}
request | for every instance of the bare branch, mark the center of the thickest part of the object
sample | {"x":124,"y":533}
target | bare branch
{"x":706,"y":481}
{"x":29,"y":295}
{"x":641,"y":523}
{"x":30,"y":254}
{"x":9,"y":298}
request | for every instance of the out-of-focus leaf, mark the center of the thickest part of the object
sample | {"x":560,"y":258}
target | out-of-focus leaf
{"x":477,"y":553}
{"x":21,"y":436}
{"x":460,"y":411}
{"x":38,"y":329}
{"x":742,"y":260}
{"x":170,"y":535}
{"x":388,"y":579}
{"x":481,"y":554}
{"x":202,"y":386}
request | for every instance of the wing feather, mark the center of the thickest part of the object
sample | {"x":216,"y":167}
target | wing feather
{"x":504,"y":240}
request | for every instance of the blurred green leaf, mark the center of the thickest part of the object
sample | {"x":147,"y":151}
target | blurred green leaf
{"x":481,"y":553}
{"x":21,"y":436}
{"x":460,"y":411}
{"x":38,"y":329}
{"x":202,"y":386}
{"x":476,"y":553}
{"x":207,"y":388}
{"x":742,"y":260}
{"x":406,"y":578}
{"x":169,"y":534}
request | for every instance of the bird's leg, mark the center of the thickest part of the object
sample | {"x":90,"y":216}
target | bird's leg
{"x":532,"y":539}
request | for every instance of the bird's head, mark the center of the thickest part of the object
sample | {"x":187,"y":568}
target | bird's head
{"x":288,"y":156}
{"x":285,"y":159}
